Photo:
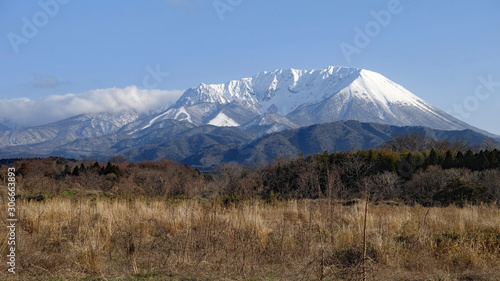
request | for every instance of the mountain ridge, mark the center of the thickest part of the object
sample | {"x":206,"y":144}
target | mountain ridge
{"x":222,"y":118}
{"x":306,"y":97}
{"x":335,"y":136}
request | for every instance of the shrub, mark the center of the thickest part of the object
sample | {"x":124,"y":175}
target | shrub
{"x":351,"y":256}
{"x":230,"y":200}
{"x":460,"y":192}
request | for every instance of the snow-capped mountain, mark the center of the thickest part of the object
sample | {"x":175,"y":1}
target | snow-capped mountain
{"x":6,"y":124}
{"x":3,"y":127}
{"x":306,"y":97}
{"x":209,"y":124}
{"x":81,"y":126}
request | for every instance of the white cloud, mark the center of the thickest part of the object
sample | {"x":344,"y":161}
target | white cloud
{"x":27,"y":112}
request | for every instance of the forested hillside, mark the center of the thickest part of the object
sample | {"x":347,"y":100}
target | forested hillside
{"x":431,"y":173}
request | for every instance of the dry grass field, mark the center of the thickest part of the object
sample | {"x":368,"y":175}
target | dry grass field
{"x":104,"y":239}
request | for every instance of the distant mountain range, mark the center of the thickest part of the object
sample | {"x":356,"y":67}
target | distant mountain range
{"x":249,"y":121}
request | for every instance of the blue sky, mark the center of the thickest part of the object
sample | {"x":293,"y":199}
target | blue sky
{"x":439,"y":50}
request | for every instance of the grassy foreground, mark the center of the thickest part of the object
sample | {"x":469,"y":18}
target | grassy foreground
{"x":104,"y":239}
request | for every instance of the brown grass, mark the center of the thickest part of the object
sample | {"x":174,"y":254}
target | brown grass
{"x":103,"y":239}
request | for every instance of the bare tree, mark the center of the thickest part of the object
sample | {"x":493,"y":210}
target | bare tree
{"x":489,"y":144}
{"x":353,"y":169}
{"x":411,"y":142}
{"x":417,"y":142}
{"x":460,"y":144}
{"x":385,"y":186}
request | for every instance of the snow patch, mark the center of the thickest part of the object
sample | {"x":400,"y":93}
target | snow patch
{"x":222,"y":120}
{"x":154,"y":120}
{"x":182,"y":114}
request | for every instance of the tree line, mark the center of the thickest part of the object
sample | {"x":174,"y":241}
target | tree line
{"x":409,"y":170}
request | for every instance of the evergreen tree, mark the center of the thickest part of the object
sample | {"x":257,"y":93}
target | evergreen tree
{"x":469,"y":160}
{"x":23,"y":170}
{"x":432,"y":159}
{"x":482,"y":162}
{"x":108,"y":169}
{"x":448,"y":160}
{"x":111,"y":169}
{"x":96,"y":168}
{"x":492,"y":158}
{"x":459,"y":160}
{"x":76,"y":171}
{"x":67,"y":170}
{"x":407,"y":166}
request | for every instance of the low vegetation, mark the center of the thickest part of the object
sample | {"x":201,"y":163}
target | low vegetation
{"x":117,"y":239}
{"x":432,"y":214}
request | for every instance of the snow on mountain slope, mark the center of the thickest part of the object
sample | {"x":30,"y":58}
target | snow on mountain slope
{"x":60,"y":132}
{"x":307,"y":97}
{"x":373,"y":98}
{"x":269,"y":123}
{"x":265,"y":103}
{"x":4,"y":127}
{"x":221,"y":120}
{"x":280,"y":91}
{"x":283,"y":91}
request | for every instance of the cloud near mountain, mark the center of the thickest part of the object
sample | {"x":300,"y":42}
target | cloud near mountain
{"x":26,"y":112}
{"x":251,"y":120}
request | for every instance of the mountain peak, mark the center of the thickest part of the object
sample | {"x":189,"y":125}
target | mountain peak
{"x":306,"y":97}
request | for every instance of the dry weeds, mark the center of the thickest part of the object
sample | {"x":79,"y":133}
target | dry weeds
{"x":103,"y":239}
